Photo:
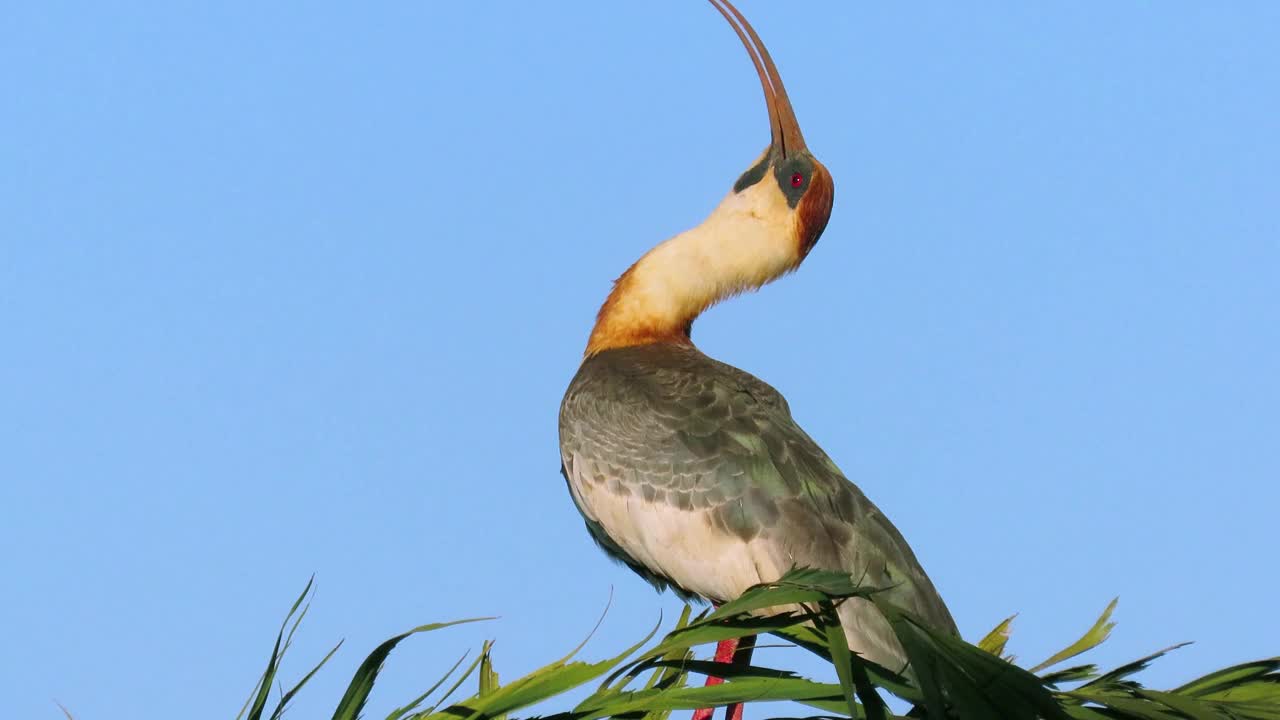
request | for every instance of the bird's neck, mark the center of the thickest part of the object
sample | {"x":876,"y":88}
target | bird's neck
{"x":741,"y":246}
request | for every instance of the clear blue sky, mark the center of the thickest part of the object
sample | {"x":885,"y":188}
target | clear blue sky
{"x":295,"y":288}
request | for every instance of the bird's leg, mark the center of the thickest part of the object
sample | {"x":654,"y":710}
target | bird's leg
{"x":724,"y":654}
{"x":735,"y":651}
{"x":741,"y":657}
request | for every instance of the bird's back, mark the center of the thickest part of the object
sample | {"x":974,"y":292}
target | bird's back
{"x":694,"y":474}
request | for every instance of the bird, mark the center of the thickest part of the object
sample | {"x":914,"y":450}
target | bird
{"x":694,"y":473}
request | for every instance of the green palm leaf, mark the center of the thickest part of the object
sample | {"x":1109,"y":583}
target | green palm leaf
{"x":950,"y":678}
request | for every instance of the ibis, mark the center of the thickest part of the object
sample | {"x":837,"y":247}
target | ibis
{"x":694,"y":473}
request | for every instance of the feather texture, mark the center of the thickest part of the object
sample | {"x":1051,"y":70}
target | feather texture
{"x":694,"y":474}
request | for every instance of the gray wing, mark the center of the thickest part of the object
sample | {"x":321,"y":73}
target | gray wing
{"x":695,"y":474}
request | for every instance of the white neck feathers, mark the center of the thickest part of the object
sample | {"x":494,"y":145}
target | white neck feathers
{"x":747,"y":241}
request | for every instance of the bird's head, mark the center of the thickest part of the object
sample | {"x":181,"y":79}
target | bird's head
{"x":763,"y":229}
{"x":787,"y":184}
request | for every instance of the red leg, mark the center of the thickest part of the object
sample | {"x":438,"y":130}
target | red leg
{"x":724,"y":654}
{"x":741,"y":657}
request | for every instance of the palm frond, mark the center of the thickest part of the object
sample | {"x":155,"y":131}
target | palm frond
{"x":950,"y":678}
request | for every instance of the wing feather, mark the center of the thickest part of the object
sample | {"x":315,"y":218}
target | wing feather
{"x":695,"y":474}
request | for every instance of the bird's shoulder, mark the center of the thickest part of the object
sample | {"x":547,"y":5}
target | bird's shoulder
{"x":671,"y":418}
{"x":662,"y":377}
{"x":673,"y":401}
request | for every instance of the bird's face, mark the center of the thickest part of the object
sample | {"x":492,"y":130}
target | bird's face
{"x":786,"y":186}
{"x":797,"y":187}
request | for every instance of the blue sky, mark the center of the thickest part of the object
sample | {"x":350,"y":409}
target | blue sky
{"x":296,"y":288}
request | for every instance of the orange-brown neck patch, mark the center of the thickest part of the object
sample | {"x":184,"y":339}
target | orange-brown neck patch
{"x":814,"y":209}
{"x":619,"y":327}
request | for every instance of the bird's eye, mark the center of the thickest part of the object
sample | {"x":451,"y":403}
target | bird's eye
{"x":796,"y":180}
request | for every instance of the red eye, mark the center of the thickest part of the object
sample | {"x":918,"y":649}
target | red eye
{"x":796,"y":180}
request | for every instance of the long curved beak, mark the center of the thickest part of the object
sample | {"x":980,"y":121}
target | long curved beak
{"x":787,"y":139}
